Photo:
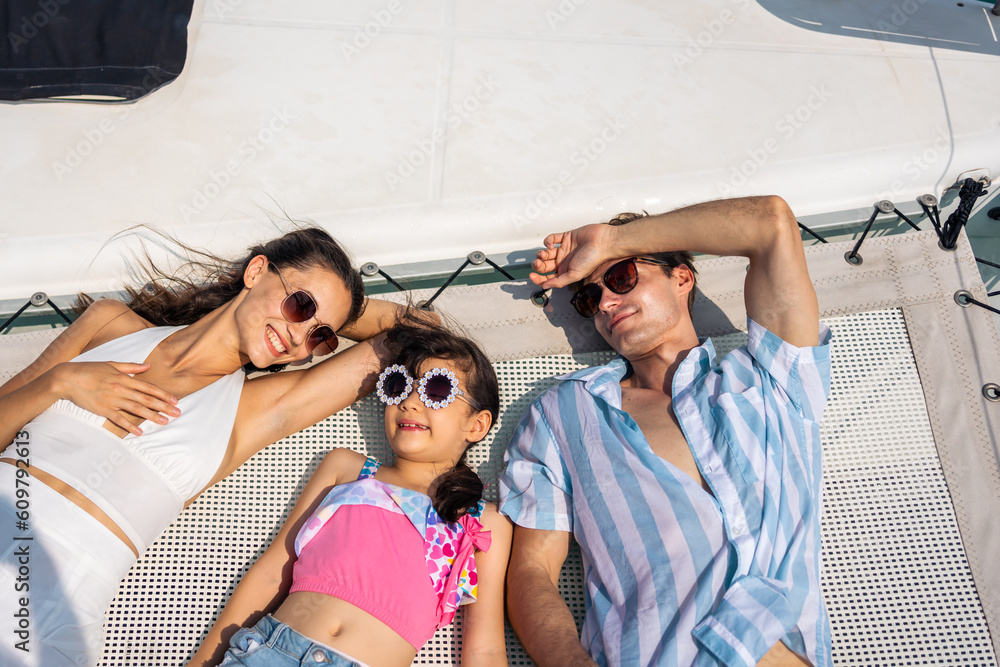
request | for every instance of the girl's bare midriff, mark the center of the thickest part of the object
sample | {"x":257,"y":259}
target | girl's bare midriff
{"x":334,"y":622}
{"x":77,"y":499}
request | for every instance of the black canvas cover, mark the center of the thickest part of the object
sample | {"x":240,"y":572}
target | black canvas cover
{"x":116,"y":48}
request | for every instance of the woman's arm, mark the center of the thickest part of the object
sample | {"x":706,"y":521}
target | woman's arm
{"x":380,"y":315}
{"x":265,"y":585}
{"x":105,"y":389}
{"x":277,"y":405}
{"x":483,"y":640}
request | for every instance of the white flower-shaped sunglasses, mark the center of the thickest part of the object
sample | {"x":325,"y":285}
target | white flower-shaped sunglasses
{"x":437,"y":388}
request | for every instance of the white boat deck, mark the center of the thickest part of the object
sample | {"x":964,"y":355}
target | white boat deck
{"x":422,"y":130}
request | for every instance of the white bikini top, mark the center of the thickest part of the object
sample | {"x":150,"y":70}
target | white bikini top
{"x":141,"y":482}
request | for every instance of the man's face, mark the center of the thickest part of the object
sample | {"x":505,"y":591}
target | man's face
{"x":639,"y":321}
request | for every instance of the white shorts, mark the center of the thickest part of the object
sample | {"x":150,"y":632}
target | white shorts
{"x":57,"y":576}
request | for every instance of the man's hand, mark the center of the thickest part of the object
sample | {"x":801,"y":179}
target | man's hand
{"x":779,"y":295}
{"x":573,"y":255}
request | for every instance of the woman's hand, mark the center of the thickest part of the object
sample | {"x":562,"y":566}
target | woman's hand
{"x":107,"y":389}
{"x":579,"y":252}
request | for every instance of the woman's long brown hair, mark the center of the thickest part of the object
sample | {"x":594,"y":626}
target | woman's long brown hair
{"x":206,"y":281}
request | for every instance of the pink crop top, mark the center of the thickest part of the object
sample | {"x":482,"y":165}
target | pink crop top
{"x":384,"y":549}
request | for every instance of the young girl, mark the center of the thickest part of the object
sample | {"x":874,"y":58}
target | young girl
{"x":374,"y":558}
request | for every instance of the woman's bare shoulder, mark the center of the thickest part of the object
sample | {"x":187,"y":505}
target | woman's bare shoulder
{"x":108,"y":319}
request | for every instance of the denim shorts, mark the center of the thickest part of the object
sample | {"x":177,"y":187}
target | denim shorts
{"x":271,"y":643}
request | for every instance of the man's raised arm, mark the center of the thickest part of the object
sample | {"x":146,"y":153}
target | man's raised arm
{"x":536,"y":611}
{"x":779,"y":295}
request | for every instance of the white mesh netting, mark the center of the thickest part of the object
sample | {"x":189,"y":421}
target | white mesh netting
{"x":896,"y":582}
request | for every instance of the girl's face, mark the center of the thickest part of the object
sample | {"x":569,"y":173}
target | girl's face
{"x":419,"y":433}
{"x":266,"y":336}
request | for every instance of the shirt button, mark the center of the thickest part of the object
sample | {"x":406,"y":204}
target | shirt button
{"x":319,"y":656}
{"x":739,"y":526}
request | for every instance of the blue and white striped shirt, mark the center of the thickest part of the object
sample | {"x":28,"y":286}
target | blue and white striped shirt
{"x":675,"y":575}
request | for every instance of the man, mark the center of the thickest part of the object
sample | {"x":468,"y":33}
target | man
{"x":692,"y":486}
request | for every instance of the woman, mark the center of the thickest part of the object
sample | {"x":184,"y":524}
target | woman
{"x":152,"y":409}
{"x":373,"y":559}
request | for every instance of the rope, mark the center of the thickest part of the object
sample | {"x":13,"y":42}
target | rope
{"x":903,"y":216}
{"x":497,"y":267}
{"x":971,"y":191}
{"x":59,"y":312}
{"x":887,"y":207}
{"x":452,"y":277}
{"x":389,"y":278}
{"x":995,"y":266}
{"x":970,"y":300}
{"x":934,"y":215}
{"x":37,"y":299}
{"x":473,"y":258}
{"x":857,"y":246}
{"x":811,"y":232}
{"x":372,"y":269}
{"x":15,"y":316}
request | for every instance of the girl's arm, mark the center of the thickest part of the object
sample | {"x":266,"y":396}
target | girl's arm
{"x":105,"y":389}
{"x":265,"y":585}
{"x":483,"y":640}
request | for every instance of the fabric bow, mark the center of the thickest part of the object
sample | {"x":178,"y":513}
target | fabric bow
{"x":455,"y":589}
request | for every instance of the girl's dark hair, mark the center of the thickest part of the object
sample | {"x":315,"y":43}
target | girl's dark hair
{"x":410,"y":344}
{"x":206,"y":281}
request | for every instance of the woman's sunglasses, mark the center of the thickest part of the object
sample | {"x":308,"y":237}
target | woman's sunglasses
{"x":437,"y":388}
{"x":621,"y":278}
{"x":298,"y":307}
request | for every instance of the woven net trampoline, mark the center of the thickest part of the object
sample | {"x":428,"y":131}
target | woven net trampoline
{"x":911,"y":483}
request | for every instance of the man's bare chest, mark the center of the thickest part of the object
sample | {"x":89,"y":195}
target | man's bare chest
{"x":653,"y":413}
